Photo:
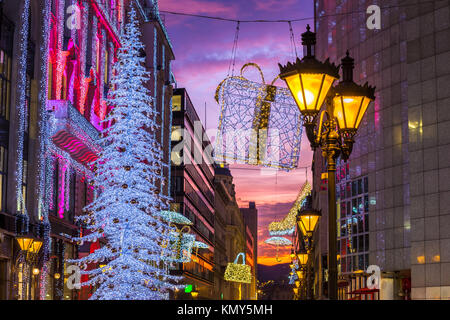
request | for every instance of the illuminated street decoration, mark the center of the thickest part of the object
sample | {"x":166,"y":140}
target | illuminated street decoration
{"x":259,"y":124}
{"x":180,"y":243}
{"x":237,"y":272}
{"x":175,"y":217}
{"x":278,"y":241}
{"x":287,"y":225}
{"x":200,"y":245}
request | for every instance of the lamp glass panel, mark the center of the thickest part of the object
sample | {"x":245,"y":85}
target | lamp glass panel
{"x":302,"y":258}
{"x":297,"y":283}
{"x":309,"y":222}
{"x":364,"y":107}
{"x":296,"y":290}
{"x":349,"y":110}
{"x":35,"y":246}
{"x":25,"y":243}
{"x":299,"y":274}
{"x":309,"y":89}
{"x":302,"y":227}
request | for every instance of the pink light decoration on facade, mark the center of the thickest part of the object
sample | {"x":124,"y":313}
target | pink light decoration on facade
{"x":60,"y":65}
{"x":83,"y":93}
{"x":105,"y":23}
{"x":61,"y":188}
{"x":103,"y":110}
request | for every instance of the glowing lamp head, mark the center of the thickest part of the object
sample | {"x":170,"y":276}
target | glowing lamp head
{"x":25,"y":243}
{"x":35,"y":271}
{"x":309,"y":79}
{"x":295,"y":290}
{"x":297,"y":283}
{"x":194,"y":294}
{"x":302,"y":258}
{"x":57,"y":276}
{"x":36,"y":246}
{"x":351,"y":100}
{"x":299,"y":274}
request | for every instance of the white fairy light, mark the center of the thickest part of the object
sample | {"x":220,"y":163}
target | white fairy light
{"x":126,"y":213}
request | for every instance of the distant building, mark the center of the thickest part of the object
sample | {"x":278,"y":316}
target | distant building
{"x":250,"y":215}
{"x":192,"y":190}
{"x":234,"y":234}
{"x":158,"y":57}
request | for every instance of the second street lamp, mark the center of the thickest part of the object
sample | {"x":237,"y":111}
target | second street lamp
{"x":346,"y":105}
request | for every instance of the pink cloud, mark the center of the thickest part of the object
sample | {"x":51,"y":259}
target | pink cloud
{"x":198,"y":7}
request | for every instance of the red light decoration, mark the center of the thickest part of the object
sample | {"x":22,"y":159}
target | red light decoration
{"x":75,"y":147}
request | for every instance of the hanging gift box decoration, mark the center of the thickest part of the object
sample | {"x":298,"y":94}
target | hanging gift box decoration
{"x":238,"y":272}
{"x":287,"y":225}
{"x":259,"y":124}
{"x":180,"y":243}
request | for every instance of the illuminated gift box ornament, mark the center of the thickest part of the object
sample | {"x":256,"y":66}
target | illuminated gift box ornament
{"x":287,"y":225}
{"x":260,"y":123}
{"x":238,"y":272}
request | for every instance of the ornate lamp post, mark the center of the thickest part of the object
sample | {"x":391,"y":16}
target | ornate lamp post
{"x":310,"y":82}
{"x":30,"y":248}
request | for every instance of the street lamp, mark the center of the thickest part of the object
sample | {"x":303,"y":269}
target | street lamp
{"x":307,"y":219}
{"x":25,"y":243}
{"x":310,"y":82}
{"x":30,"y":248}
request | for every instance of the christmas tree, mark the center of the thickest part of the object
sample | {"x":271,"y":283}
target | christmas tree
{"x":126,"y":212}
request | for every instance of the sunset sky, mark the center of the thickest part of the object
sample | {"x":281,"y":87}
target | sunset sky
{"x":202,"y":57}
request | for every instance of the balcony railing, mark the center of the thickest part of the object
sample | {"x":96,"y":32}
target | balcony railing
{"x":71,"y":132}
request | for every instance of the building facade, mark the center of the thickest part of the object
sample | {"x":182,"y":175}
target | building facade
{"x":250,"y":216}
{"x":392,"y":193}
{"x":192,"y":190}
{"x":221,"y":256}
{"x":233,"y":235}
{"x":56,"y":66}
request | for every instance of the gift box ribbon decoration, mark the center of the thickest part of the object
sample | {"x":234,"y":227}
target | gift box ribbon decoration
{"x":287,"y":225}
{"x":259,"y":124}
{"x":238,"y":272}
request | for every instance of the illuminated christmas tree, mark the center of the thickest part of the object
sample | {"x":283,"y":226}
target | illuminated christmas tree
{"x":126,"y":212}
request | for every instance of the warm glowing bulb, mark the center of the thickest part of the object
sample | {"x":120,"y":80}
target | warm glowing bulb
{"x":309,"y":97}
{"x":348,"y":100}
{"x":35,"y":271}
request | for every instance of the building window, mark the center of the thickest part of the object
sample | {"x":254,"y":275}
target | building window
{"x":3,"y":176}
{"x":353,"y":224}
{"x":72,"y":189}
{"x":55,"y":185}
{"x":6,"y":49}
{"x":176,"y":103}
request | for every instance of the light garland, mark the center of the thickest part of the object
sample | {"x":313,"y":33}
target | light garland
{"x":20,"y":108}
{"x":259,"y":123}
{"x":287,"y":225}
{"x":238,"y":272}
{"x":42,"y":168}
